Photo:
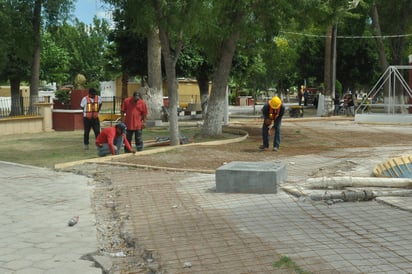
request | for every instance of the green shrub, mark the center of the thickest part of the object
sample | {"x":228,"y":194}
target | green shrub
{"x":63,"y":95}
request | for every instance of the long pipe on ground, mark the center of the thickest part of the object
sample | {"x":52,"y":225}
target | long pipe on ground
{"x":348,"y":181}
{"x":346,"y":195}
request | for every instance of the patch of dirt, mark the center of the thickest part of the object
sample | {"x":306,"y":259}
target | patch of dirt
{"x":298,"y":138}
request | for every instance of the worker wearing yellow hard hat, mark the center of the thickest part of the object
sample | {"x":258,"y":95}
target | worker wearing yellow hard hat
{"x":272,"y":113}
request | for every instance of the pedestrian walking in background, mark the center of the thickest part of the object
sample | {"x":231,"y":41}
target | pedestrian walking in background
{"x":136,"y":112}
{"x":349,"y":104}
{"x":111,"y":140}
{"x":272,"y":113}
{"x":91,"y":105}
{"x":305,"y":98}
{"x":300,"y":95}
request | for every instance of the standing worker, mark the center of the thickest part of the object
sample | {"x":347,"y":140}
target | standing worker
{"x":136,"y":114}
{"x":111,"y":140}
{"x":300,"y":95}
{"x":91,"y":105}
{"x":272,"y":112}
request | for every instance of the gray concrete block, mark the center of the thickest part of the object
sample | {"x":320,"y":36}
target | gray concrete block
{"x":250,"y":177}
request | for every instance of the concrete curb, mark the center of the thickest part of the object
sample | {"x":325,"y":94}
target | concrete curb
{"x":110,"y":159}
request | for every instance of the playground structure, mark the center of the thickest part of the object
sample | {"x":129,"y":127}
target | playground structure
{"x":389,"y":100}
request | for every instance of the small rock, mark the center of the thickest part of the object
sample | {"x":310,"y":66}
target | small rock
{"x":118,"y":254}
{"x":187,"y":265}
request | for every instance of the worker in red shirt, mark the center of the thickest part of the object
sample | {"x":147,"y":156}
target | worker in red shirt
{"x":111,"y":139}
{"x":136,"y":114}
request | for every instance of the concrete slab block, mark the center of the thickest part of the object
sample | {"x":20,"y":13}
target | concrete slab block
{"x":250,"y":177}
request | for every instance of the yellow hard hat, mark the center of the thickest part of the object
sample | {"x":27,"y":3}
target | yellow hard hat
{"x":275,"y":102}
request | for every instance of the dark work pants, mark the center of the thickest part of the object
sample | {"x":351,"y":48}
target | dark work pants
{"x":137,"y":139}
{"x":88,"y":125}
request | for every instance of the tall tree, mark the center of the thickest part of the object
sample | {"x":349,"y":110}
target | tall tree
{"x":17,"y":49}
{"x":87,"y":46}
{"x":35,"y":63}
{"x":173,"y":20}
{"x":330,"y":14}
{"x":154,"y":94}
{"x":394,"y":19}
{"x":5,"y":38}
{"x":391,"y":18}
{"x":140,"y":54}
{"x":245,"y":21}
{"x":144,"y":25}
{"x":53,"y":9}
{"x":193,"y":63}
{"x":54,"y":62}
{"x":383,"y":61}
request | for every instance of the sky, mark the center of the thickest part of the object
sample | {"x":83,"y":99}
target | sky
{"x":85,"y":10}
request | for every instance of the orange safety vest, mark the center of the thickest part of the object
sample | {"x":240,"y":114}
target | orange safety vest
{"x":92,"y":109}
{"x":274,"y":113}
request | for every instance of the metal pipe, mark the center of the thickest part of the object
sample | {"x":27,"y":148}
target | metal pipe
{"x":348,"y":181}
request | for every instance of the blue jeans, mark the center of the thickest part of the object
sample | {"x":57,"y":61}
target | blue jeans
{"x":105,"y":149}
{"x":265,"y":134}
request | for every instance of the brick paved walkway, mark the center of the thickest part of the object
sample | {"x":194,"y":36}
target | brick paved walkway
{"x":181,"y":218}
{"x":181,"y":221}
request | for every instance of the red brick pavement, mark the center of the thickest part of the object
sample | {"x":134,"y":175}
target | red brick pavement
{"x":171,"y":222}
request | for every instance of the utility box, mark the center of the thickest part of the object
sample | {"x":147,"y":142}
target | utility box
{"x":250,"y":177}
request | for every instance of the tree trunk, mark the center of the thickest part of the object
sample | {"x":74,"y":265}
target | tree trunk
{"x":154,"y":94}
{"x":35,"y":65}
{"x":16,"y":103}
{"x":170,"y":66}
{"x":383,"y":61}
{"x":376,"y":29}
{"x":214,"y":115}
{"x":203,"y":83}
{"x":328,"y":61}
{"x":125,"y":81}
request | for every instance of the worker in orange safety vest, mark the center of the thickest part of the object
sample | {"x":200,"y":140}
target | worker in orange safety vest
{"x":91,"y":105}
{"x":272,"y":113}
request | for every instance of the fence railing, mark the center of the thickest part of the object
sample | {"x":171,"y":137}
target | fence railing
{"x":26,"y":105}
{"x":111,"y":105}
{"x":19,"y":106}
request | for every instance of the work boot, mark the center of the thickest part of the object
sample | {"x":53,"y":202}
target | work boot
{"x":262,"y":147}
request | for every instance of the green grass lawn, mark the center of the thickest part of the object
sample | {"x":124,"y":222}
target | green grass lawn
{"x":49,"y":148}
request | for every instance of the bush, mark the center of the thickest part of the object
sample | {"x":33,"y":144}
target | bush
{"x":63,"y":95}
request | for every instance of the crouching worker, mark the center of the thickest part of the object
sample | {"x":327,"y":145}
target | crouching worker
{"x":272,"y":113}
{"x":111,"y":140}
